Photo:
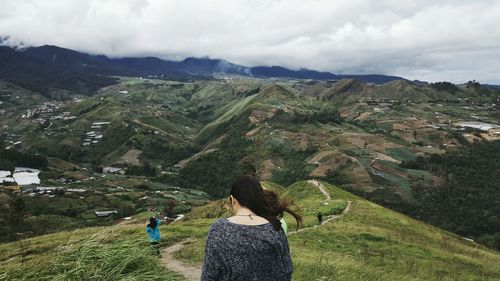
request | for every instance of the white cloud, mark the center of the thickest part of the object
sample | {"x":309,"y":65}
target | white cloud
{"x":451,"y":40}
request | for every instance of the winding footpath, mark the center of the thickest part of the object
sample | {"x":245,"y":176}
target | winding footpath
{"x":321,"y":188}
{"x":193,"y":273}
{"x":169,"y":261}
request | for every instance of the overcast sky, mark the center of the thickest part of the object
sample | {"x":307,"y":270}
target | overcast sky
{"x":430,"y":40}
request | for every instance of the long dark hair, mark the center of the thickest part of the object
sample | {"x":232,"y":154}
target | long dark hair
{"x":265,"y":203}
{"x":152,"y":222}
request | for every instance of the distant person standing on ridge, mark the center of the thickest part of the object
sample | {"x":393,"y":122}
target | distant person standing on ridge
{"x":251,"y":245}
{"x":153,"y":231}
{"x":320,"y":218}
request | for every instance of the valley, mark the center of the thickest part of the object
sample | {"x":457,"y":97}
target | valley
{"x":146,"y":145}
{"x":237,"y":140}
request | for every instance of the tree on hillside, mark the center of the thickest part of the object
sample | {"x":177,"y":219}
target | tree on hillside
{"x":15,"y":217}
{"x":468,"y":201}
{"x":473,"y":84}
{"x":18,"y":158}
{"x":145,"y":170}
{"x":445,"y":86}
{"x":169,"y":208}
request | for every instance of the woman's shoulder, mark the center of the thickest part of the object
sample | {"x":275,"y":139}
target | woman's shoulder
{"x":219,"y":223}
{"x":217,"y":227}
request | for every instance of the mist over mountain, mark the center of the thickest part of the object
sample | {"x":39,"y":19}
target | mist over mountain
{"x":36,"y":74}
{"x":58,"y":66}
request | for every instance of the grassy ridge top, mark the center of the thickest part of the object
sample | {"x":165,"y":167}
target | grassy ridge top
{"x":368,"y":243}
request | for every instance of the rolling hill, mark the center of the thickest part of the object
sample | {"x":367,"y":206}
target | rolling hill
{"x":368,"y":242}
{"x":357,"y":135}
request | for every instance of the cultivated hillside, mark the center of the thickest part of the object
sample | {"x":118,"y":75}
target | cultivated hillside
{"x":366,"y":242}
{"x":360,"y":136}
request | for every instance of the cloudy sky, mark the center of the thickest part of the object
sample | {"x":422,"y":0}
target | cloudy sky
{"x":430,"y":40}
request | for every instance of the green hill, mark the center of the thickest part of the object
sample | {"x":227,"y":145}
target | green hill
{"x":368,"y":242}
{"x":201,"y":134}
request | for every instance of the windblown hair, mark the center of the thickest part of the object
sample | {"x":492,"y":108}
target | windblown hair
{"x":152,"y":222}
{"x":265,"y":203}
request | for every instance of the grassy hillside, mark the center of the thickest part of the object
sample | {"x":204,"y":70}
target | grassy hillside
{"x":202,"y":134}
{"x":368,"y":243}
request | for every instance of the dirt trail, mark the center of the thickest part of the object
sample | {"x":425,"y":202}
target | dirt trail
{"x":168,"y":260}
{"x":191,"y":273}
{"x":321,"y":188}
{"x":328,"y":218}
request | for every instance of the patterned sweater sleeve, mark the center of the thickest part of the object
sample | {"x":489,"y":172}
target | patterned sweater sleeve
{"x":212,"y":264}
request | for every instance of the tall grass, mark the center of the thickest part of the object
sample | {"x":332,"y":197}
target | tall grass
{"x":97,"y":260}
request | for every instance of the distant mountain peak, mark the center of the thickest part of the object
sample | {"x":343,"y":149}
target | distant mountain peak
{"x":63,"y":59}
{"x":10,"y":42}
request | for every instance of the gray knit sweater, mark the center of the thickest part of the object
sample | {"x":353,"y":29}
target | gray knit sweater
{"x":238,"y":252}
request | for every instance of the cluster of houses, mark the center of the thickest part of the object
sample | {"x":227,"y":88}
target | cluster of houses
{"x":10,"y":139}
{"x":48,"y":191}
{"x":95,"y":135}
{"x":379,"y":105}
{"x":47,"y":112}
{"x":26,"y":181}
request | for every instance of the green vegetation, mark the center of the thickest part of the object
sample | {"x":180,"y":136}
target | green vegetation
{"x":214,"y":172}
{"x":202,"y":134}
{"x":311,"y":202}
{"x":467,"y":204}
{"x":445,"y":86}
{"x":67,"y":210}
{"x":144,"y":170}
{"x":294,"y":166}
{"x":401,"y":153}
{"x":11,"y":158}
{"x":368,"y":243}
{"x":95,"y":258}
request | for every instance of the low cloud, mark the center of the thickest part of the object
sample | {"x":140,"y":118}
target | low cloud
{"x":450,"y":40}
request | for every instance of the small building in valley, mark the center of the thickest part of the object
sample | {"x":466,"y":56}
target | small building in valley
{"x":113,"y":170}
{"x":101,"y":214}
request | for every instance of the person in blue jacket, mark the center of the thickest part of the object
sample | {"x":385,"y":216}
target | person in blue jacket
{"x":153,"y":231}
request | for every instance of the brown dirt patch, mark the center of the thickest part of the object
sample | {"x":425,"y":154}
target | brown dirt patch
{"x":385,"y":169}
{"x":76,"y":175}
{"x":384,"y":157}
{"x":253,"y":132}
{"x":328,"y":161}
{"x":130,"y":157}
{"x":303,"y":142}
{"x":267,"y":167}
{"x":357,"y":174}
{"x":374,"y":143}
{"x":257,"y":116}
{"x":4,"y":199}
{"x":363,"y":117}
{"x":61,"y":164}
{"x":344,"y":113}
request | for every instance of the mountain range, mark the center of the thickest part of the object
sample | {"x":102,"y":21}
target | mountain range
{"x":45,"y":67}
